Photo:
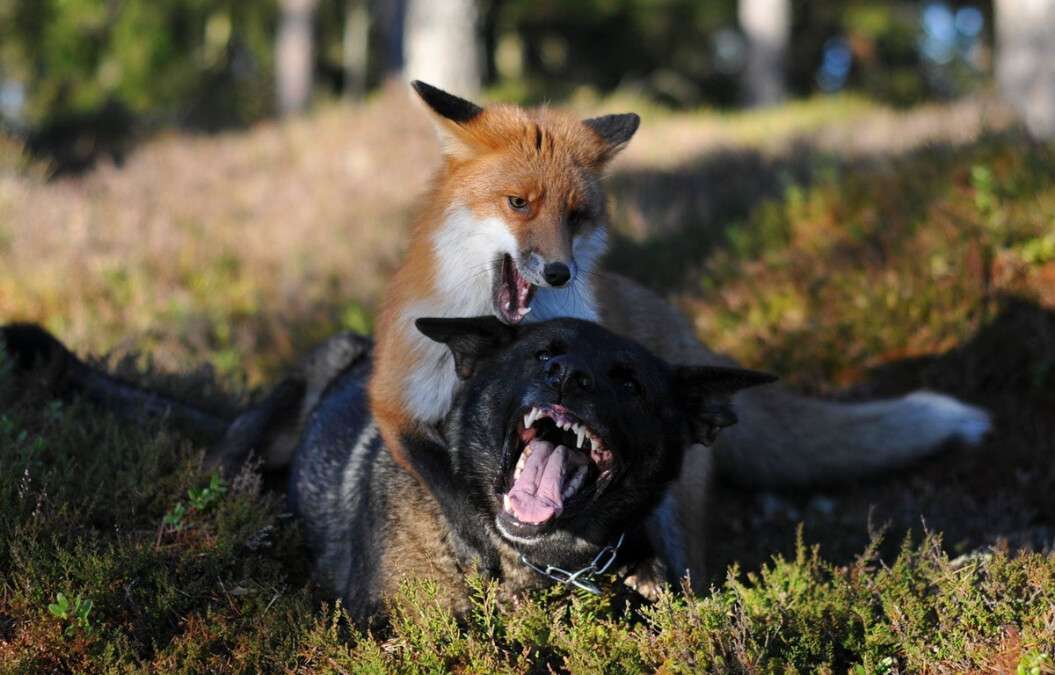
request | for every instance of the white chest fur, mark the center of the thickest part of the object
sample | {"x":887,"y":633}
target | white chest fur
{"x":466,"y":248}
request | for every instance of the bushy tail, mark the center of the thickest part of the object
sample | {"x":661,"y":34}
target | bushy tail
{"x":41,"y":361}
{"x":786,"y":440}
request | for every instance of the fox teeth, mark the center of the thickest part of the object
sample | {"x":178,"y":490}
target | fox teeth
{"x":580,"y":434}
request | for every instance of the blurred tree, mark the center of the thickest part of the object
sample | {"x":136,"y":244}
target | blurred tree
{"x":767,"y":26}
{"x":355,"y":47}
{"x":295,"y":55}
{"x":442,"y":45}
{"x":95,"y":70}
{"x":1026,"y":60}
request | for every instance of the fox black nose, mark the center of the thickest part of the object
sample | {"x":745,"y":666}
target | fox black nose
{"x":556,"y":274}
{"x":563,"y":374}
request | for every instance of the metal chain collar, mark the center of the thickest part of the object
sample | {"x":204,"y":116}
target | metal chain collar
{"x":580,"y":578}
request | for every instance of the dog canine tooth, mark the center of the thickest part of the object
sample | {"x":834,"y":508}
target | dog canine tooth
{"x":580,"y":434}
{"x":506,"y":504}
{"x":527,"y":421}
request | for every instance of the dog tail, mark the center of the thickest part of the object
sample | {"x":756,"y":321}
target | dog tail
{"x":270,"y":428}
{"x":40,"y":361}
{"x":785,"y":440}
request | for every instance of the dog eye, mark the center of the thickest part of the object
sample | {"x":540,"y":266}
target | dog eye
{"x":543,"y":355}
{"x":626,"y":380}
{"x":517,"y":203}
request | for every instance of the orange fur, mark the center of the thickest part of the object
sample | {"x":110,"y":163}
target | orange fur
{"x":547,"y":157}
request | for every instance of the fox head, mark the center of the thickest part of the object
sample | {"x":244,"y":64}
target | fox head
{"x":523,"y":208}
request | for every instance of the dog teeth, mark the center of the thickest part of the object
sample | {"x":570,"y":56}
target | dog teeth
{"x":506,"y":504}
{"x":531,"y":417}
{"x":520,"y":463}
{"x":580,"y":435}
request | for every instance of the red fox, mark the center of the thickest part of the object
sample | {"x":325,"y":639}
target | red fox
{"x":515,"y":225}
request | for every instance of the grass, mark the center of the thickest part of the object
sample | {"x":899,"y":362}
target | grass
{"x":810,"y":240}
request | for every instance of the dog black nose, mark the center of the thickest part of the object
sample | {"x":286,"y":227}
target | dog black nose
{"x":563,"y":374}
{"x":556,"y":273}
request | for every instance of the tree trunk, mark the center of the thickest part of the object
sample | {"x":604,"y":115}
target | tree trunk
{"x":356,"y":48}
{"x":441,"y":45}
{"x":294,"y":55}
{"x":767,"y":27}
{"x":1025,"y":60}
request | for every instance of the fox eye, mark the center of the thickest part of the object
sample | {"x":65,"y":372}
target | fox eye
{"x":543,"y":355}
{"x":517,"y":203}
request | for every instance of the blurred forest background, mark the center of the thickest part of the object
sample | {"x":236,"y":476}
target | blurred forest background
{"x":859,"y":196}
{"x":79,"y":78}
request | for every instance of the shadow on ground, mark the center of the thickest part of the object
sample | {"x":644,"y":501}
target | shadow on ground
{"x":1001,"y":492}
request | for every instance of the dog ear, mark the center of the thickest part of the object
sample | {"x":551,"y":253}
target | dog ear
{"x":615,"y":130}
{"x":706,"y":393}
{"x":469,"y":340}
{"x":452,"y":117}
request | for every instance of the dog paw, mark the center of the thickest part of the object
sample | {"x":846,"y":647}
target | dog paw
{"x":960,"y":422}
{"x":645,"y":585}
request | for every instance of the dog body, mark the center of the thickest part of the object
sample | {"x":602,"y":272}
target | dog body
{"x":563,"y":439}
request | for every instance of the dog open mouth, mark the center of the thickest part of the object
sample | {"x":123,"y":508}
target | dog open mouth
{"x":512,"y":292}
{"x":561,"y":462}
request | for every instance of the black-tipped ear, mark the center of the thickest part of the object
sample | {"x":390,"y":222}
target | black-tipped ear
{"x":447,"y":106}
{"x":469,"y":340}
{"x":615,"y":130}
{"x":706,"y":393}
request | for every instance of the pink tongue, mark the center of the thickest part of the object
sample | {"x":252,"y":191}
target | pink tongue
{"x":535,"y":497}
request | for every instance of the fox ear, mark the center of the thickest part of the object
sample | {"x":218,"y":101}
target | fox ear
{"x":452,"y":116}
{"x":615,"y":130}
{"x":706,"y":393}
{"x":469,"y":340}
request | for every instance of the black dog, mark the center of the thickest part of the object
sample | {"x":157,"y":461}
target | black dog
{"x":561,"y":441}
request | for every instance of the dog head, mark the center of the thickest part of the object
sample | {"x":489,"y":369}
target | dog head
{"x":567,"y":434}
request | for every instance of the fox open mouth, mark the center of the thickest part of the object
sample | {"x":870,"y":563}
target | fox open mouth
{"x":560,"y":463}
{"x":512,"y":292}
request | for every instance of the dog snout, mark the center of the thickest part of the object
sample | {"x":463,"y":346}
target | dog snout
{"x":556,"y":274}
{"x":564,"y":374}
